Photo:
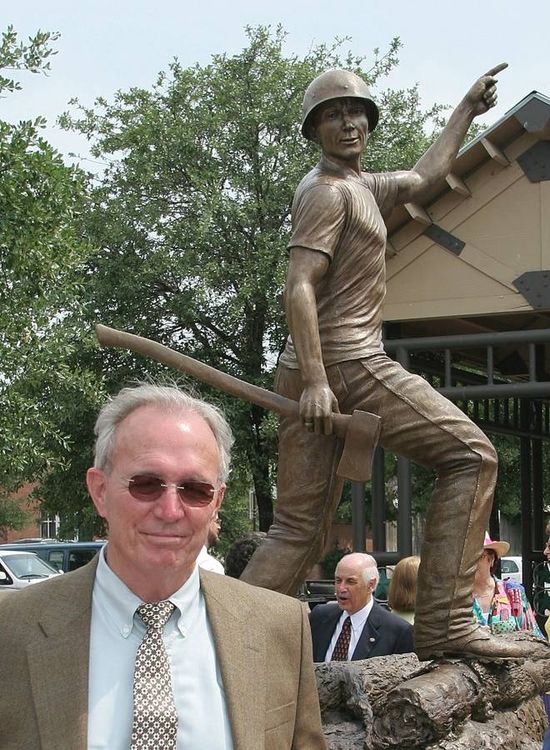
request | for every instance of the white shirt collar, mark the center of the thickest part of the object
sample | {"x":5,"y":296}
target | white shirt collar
{"x":358,"y":618}
{"x":121,"y":603}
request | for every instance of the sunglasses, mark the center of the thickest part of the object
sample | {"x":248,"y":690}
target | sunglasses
{"x":148,"y":487}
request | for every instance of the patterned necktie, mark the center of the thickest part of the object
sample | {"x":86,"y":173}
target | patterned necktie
{"x":155,"y":718}
{"x":340,"y":652}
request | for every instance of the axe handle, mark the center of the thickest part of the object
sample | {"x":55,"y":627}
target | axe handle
{"x":247,"y":391}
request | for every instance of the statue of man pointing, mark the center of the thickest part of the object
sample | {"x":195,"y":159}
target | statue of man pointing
{"x":334,"y":361}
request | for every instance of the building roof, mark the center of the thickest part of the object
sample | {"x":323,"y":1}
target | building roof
{"x":474,"y":255}
{"x":531,"y":115}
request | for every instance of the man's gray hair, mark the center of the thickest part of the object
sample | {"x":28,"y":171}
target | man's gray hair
{"x":370,"y":570}
{"x":167,"y":398}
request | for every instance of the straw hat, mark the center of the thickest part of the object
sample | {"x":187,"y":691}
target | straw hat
{"x":500,"y":548}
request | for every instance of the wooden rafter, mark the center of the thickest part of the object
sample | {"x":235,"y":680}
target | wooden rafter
{"x":417,"y":213}
{"x":457,"y":184}
{"x":494,"y":152}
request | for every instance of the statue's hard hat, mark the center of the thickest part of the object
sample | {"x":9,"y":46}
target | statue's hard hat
{"x":335,"y":84}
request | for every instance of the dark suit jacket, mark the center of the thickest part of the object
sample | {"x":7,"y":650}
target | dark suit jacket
{"x":383,"y":633}
{"x":262,"y":642}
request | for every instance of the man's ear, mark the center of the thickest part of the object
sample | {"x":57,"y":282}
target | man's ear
{"x":95,"y":480}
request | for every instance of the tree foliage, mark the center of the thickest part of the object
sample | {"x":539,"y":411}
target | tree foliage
{"x":182,"y":239}
{"x":31,"y":57}
{"x":191,"y":215}
{"x":41,"y":258}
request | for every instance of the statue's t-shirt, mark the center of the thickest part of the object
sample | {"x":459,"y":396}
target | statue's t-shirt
{"x":341,"y":215}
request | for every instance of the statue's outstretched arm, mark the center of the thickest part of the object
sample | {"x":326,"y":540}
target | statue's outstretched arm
{"x":437,"y":162}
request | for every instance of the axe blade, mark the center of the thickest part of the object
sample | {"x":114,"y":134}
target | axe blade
{"x":362,"y":434}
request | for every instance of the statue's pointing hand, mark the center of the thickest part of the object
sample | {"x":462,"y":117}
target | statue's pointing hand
{"x":483,"y":94}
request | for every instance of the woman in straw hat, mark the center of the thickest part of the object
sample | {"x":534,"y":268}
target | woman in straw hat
{"x":501,"y":606}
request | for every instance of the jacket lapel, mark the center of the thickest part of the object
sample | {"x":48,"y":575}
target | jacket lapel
{"x":368,"y":640}
{"x":324,"y":630}
{"x":241,"y":649}
{"x":58,"y":663}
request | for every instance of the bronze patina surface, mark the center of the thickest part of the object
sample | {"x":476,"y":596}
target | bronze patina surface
{"x":334,"y":361}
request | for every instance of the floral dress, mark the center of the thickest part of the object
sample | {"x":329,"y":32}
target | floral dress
{"x":546,"y":698}
{"x":509,"y":611}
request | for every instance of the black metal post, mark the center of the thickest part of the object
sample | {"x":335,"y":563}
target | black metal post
{"x":526,"y":498}
{"x":538,"y":536}
{"x":358,"y":516}
{"x":378,"y":489}
{"x":404,"y":515}
{"x":537,"y":518}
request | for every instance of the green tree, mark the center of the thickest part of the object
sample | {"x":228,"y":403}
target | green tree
{"x":32,"y":56}
{"x":192,"y":212}
{"x":41,"y":256}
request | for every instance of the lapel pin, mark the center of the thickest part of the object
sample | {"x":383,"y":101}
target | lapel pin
{"x":372,"y":640}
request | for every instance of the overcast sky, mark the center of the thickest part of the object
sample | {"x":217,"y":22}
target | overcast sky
{"x":107,"y":45}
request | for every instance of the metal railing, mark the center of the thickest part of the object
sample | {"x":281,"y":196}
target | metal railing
{"x":497,"y":385}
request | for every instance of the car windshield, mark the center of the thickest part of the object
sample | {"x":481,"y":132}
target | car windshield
{"x":28,"y":565}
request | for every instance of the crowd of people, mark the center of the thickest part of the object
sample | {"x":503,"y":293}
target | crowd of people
{"x":357,"y":626}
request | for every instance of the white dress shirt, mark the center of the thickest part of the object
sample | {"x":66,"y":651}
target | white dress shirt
{"x":116,"y":633}
{"x":358,"y":620}
{"x":209,"y":562}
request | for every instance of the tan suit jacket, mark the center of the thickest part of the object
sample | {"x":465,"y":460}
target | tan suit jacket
{"x":262,"y":642}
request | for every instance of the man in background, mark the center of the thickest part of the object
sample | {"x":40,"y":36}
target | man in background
{"x":356,"y":626}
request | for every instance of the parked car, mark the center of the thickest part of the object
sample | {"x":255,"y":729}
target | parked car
{"x":19,"y":569}
{"x":511,"y":569}
{"x":63,"y":556}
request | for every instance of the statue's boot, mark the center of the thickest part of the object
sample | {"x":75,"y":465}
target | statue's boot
{"x":483,"y":646}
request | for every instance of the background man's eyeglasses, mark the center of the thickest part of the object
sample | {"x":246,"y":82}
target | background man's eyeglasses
{"x":149,"y":488}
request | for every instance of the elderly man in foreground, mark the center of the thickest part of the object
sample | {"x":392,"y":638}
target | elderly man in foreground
{"x":141,"y":648}
{"x":356,"y":626}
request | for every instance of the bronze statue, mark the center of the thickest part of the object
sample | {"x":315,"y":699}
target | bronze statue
{"x":334,"y":361}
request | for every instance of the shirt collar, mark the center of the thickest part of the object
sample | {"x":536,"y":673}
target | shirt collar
{"x":112,"y":594}
{"x":120,"y":603}
{"x":358,"y":618}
